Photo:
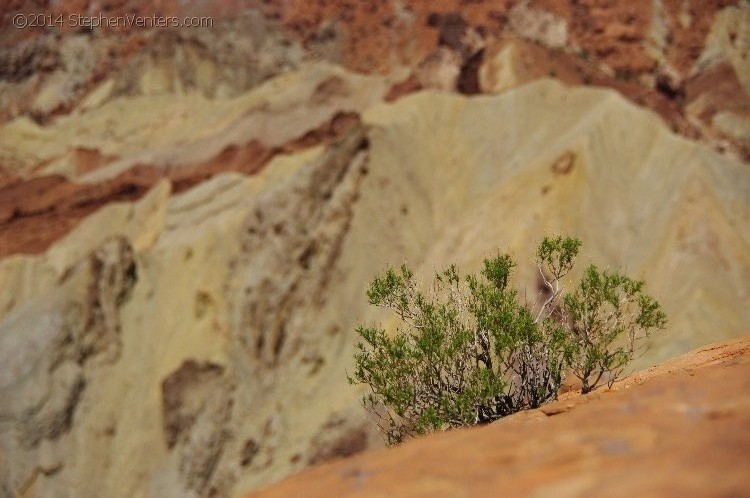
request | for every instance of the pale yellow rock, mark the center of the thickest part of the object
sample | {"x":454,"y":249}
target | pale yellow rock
{"x":156,"y":79}
{"x":24,"y":278}
{"x":658,"y":32}
{"x":629,"y":189}
{"x":733,"y":125}
{"x":501,"y":70}
{"x":98,"y":96}
{"x":538,"y":25}
{"x":166,"y":127}
{"x":249,"y":288}
{"x":178,"y":311}
{"x":729,"y":40}
{"x":48,"y":99}
{"x":440,"y":70}
{"x":204,"y":70}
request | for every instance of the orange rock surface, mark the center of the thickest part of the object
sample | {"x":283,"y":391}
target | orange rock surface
{"x":678,"y":429}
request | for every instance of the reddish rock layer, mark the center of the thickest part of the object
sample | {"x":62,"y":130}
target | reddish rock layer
{"x":679,"y":429}
{"x":37,"y":212}
{"x":375,"y":35}
{"x":615,"y":32}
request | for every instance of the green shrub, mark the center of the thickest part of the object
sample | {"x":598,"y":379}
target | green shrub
{"x":606,"y":317}
{"x":468,"y":351}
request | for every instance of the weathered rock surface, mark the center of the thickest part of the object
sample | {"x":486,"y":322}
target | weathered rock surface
{"x":204,"y":353}
{"x":653,"y":50}
{"x":171,"y":130}
{"x":195,"y":342}
{"x":185,"y":138}
{"x":189,"y":218}
{"x":681,"y":428}
{"x":53,"y":350}
{"x":573,"y":161}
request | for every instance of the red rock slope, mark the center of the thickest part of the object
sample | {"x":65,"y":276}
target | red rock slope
{"x":679,"y":429}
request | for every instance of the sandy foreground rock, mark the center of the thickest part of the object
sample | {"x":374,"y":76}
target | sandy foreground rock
{"x":679,"y":429}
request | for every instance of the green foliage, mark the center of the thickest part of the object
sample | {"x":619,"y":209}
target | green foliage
{"x":558,"y":254}
{"x":468,"y":351}
{"x":599,"y":313}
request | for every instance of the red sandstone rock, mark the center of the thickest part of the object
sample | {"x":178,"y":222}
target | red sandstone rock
{"x":678,"y":429}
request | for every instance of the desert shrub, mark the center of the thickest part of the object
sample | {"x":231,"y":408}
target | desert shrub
{"x":606,"y":318}
{"x":468,"y":351}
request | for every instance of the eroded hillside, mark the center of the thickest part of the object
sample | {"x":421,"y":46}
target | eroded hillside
{"x":688,"y":61}
{"x":244,"y":290}
{"x":189,"y":218}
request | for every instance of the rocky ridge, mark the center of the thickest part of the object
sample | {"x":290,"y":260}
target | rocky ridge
{"x":668,"y":56}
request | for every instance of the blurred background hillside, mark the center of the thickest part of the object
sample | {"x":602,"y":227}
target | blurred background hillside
{"x":194,"y":196}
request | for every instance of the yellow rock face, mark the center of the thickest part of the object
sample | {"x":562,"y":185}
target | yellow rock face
{"x":729,"y":40}
{"x":174,"y":128}
{"x":199,"y":342}
{"x":501,"y":172}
